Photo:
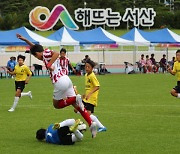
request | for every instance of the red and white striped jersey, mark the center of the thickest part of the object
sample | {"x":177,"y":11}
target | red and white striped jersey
{"x":57,"y":72}
{"x":64,"y":62}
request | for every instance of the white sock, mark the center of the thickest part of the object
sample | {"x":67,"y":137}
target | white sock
{"x":74,"y":138}
{"x":77,"y":136}
{"x":68,"y":122}
{"x":16,"y":99}
{"x":178,"y":96}
{"x":25,"y":94}
{"x":95,"y":119}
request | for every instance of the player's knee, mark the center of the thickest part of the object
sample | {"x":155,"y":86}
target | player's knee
{"x":56,"y":104}
{"x":173,"y":92}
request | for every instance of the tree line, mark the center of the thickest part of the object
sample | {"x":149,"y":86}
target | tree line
{"x":15,"y":13}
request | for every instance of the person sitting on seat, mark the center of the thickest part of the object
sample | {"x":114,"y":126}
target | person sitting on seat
{"x":85,"y":59}
{"x":155,"y":65}
{"x":142,"y":63}
{"x":103,"y":69}
{"x":148,"y":64}
{"x":171,"y":63}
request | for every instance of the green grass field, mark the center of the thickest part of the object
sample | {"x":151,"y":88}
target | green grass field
{"x":140,"y":114}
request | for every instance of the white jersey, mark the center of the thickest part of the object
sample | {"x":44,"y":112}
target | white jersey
{"x":57,"y":71}
{"x":64,"y":63}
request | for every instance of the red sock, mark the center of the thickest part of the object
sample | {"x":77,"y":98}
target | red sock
{"x":85,"y":115}
{"x":67,"y":102}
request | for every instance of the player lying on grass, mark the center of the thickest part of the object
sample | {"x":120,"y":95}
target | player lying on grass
{"x":63,"y":94}
{"x":176,"y":71}
{"x":91,"y":93}
{"x":22,"y":76}
{"x":63,"y":133}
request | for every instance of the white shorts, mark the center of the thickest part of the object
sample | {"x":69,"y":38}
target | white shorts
{"x":63,"y":88}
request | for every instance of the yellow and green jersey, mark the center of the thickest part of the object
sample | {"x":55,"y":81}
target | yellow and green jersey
{"x":91,"y":82}
{"x":21,"y":72}
{"x":176,"y":69}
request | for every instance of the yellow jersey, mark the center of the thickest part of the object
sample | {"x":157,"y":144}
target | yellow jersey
{"x":176,"y":69}
{"x":91,"y":82}
{"x":21,"y":72}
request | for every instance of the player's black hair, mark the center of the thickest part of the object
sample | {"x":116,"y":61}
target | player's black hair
{"x":178,"y":51}
{"x":147,"y":56}
{"x":90,"y":62}
{"x":40,"y":134}
{"x":36,"y":48}
{"x":22,"y":57}
{"x":63,"y":50}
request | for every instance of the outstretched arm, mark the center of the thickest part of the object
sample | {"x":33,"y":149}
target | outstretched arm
{"x":170,"y":70}
{"x":24,"y":39}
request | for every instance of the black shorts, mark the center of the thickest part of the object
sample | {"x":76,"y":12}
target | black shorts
{"x":65,"y":136}
{"x":177,"y":88}
{"x":89,"y":107}
{"x":20,"y":85}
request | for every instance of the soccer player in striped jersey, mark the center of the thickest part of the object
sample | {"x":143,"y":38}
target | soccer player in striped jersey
{"x":64,"y":94}
{"x":65,"y":62}
{"x":22,"y":76}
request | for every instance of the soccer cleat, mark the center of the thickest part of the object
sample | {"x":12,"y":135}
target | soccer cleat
{"x":30,"y":94}
{"x":79,"y":102}
{"x":93,"y":129}
{"x":74,"y":127}
{"x":11,"y":110}
{"x":102,"y":129}
{"x":56,"y":126}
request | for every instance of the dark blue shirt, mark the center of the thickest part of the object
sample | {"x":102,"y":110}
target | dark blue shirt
{"x":52,"y":135}
{"x":11,"y":64}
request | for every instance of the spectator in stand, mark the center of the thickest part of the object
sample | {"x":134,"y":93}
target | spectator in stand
{"x":81,"y":66}
{"x":155,"y":65}
{"x":142,"y":63}
{"x":171,"y":63}
{"x":163,"y":63}
{"x":148,"y":64}
{"x":85,"y":58}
